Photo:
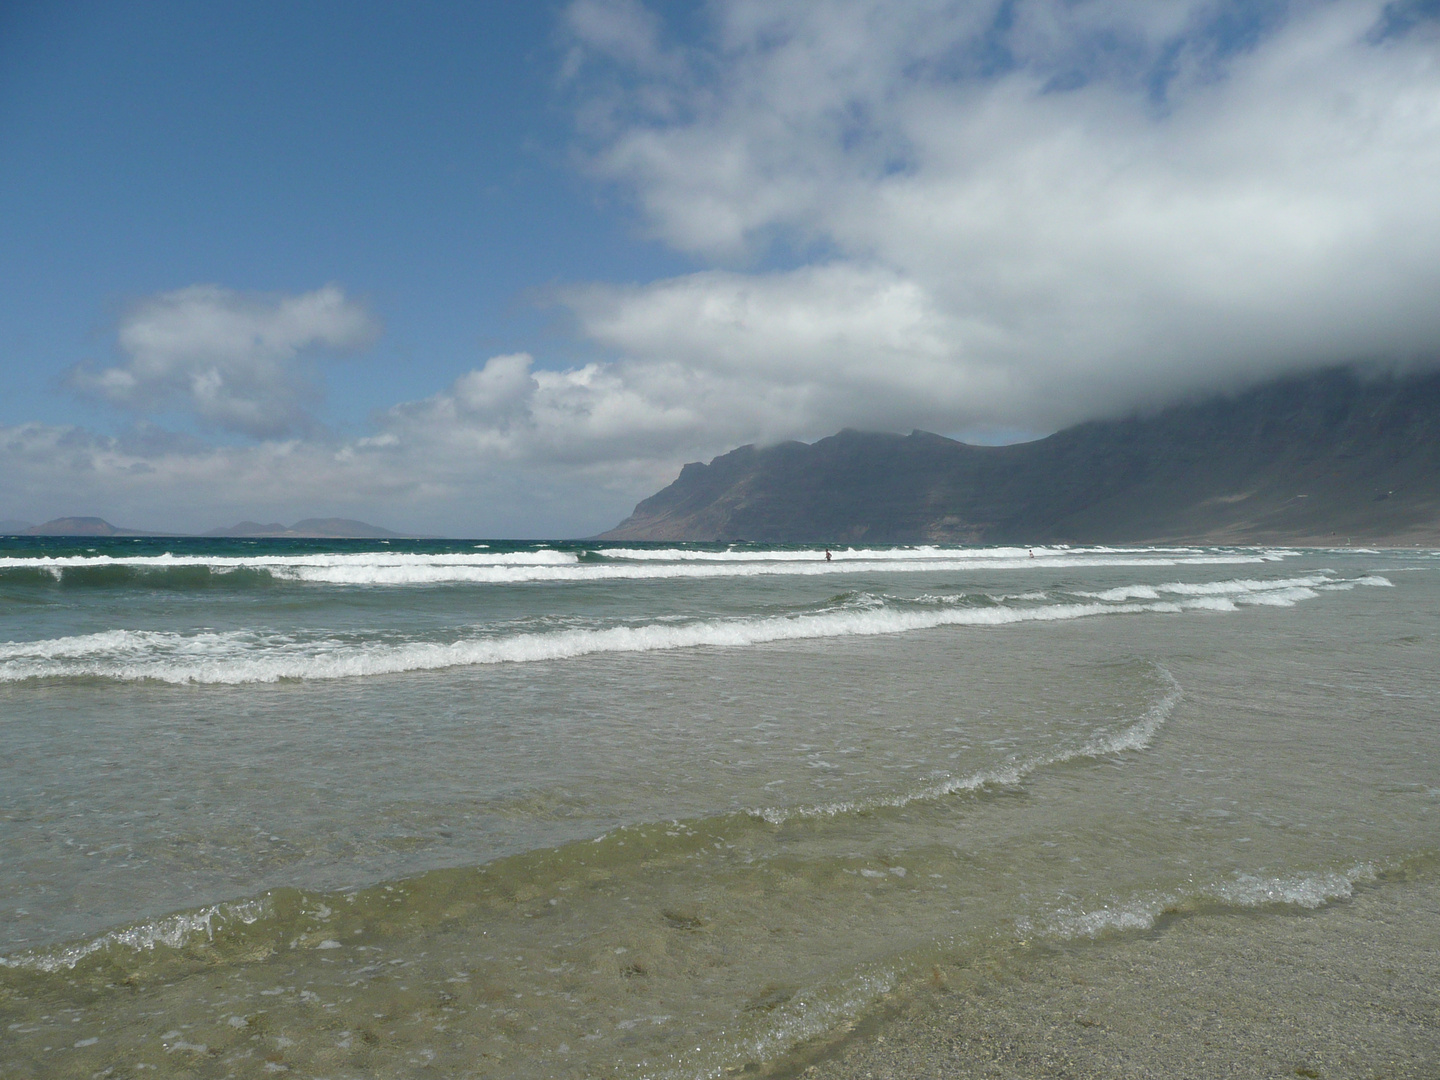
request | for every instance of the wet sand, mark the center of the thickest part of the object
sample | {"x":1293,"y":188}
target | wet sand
{"x":1348,"y":991}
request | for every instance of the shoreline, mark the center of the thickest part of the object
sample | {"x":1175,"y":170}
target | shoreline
{"x":1349,"y":990}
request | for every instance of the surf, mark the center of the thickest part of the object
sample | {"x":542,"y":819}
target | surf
{"x":390,"y":568}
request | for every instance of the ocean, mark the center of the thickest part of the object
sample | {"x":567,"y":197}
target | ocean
{"x":362,"y":809}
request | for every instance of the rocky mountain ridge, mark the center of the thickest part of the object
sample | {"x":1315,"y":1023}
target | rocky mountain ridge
{"x":1325,"y":459}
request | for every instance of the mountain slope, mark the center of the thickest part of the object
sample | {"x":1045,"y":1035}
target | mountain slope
{"x":79,"y":526}
{"x":1326,"y":459}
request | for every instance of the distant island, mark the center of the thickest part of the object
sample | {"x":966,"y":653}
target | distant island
{"x":1326,"y":459}
{"x":309,"y":528}
{"x":76,"y":526}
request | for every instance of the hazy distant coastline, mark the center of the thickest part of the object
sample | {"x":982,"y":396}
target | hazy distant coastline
{"x":1331,"y":459}
{"x":308,"y":528}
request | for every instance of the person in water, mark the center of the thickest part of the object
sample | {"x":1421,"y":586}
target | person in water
{"x":827,"y":554}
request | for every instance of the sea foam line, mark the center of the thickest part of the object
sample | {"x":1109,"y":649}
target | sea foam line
{"x":813,"y":566}
{"x":256,"y":657}
{"x":405,"y":568}
{"x":169,"y":560}
{"x":251,"y":657}
{"x":1215,"y":588}
{"x":1136,"y":736}
{"x":1308,"y":891}
{"x":842,"y":554}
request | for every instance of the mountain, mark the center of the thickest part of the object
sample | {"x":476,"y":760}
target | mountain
{"x":79,"y":526}
{"x":315,"y":528}
{"x":1325,"y":459}
{"x":312,"y":528}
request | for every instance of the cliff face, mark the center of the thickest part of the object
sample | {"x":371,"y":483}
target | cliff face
{"x":1325,"y":459}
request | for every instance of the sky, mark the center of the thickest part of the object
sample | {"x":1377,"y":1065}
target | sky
{"x":497,"y":269}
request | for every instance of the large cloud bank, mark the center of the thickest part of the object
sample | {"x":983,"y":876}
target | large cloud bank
{"x":1020,"y":214}
{"x":968,"y":217}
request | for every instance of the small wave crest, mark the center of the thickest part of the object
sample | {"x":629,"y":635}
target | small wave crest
{"x":1307,"y":891}
{"x":1240,"y":587}
{"x":1134,"y":736}
{"x":175,"y":931}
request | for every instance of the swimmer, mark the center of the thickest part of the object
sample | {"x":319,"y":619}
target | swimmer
{"x":827,"y":554}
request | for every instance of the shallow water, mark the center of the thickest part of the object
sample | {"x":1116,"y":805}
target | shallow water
{"x":573,"y":810}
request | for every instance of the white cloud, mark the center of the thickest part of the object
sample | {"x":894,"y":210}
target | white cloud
{"x":406,"y":482}
{"x":1025,"y":223}
{"x":800,"y":352}
{"x":233,"y":359}
{"x":504,"y":451}
{"x":587,"y":417}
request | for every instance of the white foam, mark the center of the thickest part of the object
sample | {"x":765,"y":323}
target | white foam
{"x":168,"y":560}
{"x":1124,"y":592}
{"x":1139,"y":914}
{"x":1211,"y":588}
{"x":961,"y":598}
{"x":1277,"y":597}
{"x":1224,"y":595}
{"x":256,"y":656}
{"x":388,"y":568}
{"x":1244,"y":890}
{"x":81,"y":645}
{"x":922,"y":551}
{"x":1311,"y":891}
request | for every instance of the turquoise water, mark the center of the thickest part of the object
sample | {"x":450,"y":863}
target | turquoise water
{"x":355,"y":809}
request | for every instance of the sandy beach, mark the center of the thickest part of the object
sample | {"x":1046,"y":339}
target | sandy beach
{"x":1351,"y":990}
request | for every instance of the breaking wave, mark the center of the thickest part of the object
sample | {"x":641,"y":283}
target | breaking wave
{"x":258,"y":656}
{"x":387,"y":568}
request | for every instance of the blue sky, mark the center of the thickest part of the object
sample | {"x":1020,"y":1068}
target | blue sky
{"x":501,"y":268}
{"x":419,"y":156}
